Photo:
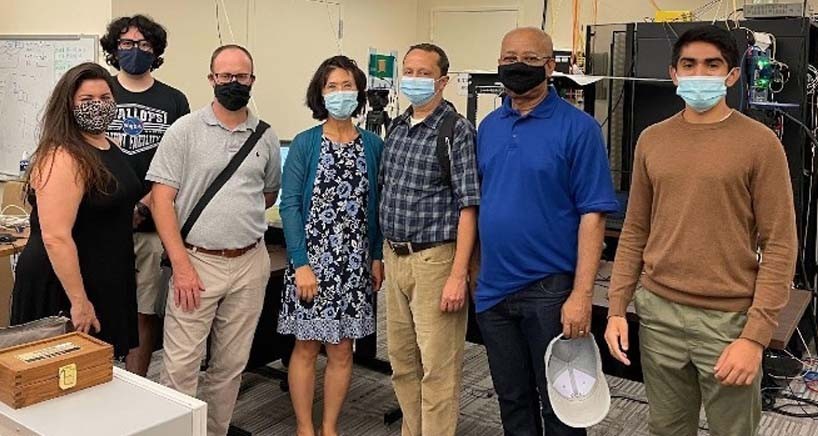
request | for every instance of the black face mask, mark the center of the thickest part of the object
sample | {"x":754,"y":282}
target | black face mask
{"x":135,"y":61}
{"x":521,"y":77}
{"x":233,"y":96}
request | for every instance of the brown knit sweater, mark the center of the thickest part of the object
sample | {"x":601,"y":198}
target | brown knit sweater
{"x":705,"y":199}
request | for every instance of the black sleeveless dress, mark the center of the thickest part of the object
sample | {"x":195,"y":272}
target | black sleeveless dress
{"x":103,"y":236}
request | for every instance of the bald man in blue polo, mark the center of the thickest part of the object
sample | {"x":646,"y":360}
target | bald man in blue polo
{"x":546,"y":187}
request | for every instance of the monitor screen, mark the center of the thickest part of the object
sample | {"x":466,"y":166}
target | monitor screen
{"x":284,"y":151}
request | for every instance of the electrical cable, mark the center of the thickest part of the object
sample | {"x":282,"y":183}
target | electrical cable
{"x":735,"y":8}
{"x":669,"y":25}
{"x":810,"y":359}
{"x":596,"y":12}
{"x":735,"y":12}
{"x":768,"y":398}
{"x":812,"y":91}
{"x":334,"y":32}
{"x":630,"y":72}
{"x":705,"y":7}
{"x":218,"y":23}
{"x":803,"y":59}
{"x":799,"y":402}
{"x":742,"y":89}
{"x":13,"y":206}
{"x":229,"y":26}
{"x":811,"y":174}
{"x":783,"y":76}
{"x":576,"y":39}
{"x":716,"y":15}
{"x":233,"y":40}
{"x":14,"y":222}
{"x":614,"y":107}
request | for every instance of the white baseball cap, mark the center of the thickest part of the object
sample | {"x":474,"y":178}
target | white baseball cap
{"x":576,"y":385}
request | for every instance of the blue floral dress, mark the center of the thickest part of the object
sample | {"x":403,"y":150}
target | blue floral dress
{"x":338,"y":251}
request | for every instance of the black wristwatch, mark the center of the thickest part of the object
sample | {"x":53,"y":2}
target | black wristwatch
{"x":143,"y":210}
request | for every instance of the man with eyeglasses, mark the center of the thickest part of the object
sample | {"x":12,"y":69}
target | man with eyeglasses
{"x":220,"y":270}
{"x":428,"y":216}
{"x":546,"y":188}
{"x":146,"y":108}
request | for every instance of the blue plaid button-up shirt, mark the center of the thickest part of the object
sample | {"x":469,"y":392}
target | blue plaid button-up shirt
{"x":415,"y":206}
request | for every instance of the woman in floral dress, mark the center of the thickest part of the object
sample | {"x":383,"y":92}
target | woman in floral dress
{"x":329,"y":207}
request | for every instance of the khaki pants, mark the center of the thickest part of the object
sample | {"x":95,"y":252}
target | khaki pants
{"x":680,"y":346}
{"x":230,"y":308}
{"x":148,"y":250}
{"x":425,"y":344}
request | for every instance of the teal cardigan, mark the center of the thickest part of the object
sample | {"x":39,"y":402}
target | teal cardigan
{"x":296,"y":191}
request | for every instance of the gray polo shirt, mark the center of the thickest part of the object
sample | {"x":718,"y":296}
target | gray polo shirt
{"x":194,"y":150}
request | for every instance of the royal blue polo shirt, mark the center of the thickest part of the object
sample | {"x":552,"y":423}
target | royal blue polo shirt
{"x":540,"y":173}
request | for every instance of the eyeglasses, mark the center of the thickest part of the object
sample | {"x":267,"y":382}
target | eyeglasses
{"x":222,"y":78}
{"x":534,"y":61}
{"x":143,"y":44}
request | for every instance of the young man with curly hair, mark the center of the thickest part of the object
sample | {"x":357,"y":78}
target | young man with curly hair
{"x":146,"y":108}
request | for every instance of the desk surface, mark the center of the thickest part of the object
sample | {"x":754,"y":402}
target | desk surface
{"x":788,"y":319}
{"x":11,"y":248}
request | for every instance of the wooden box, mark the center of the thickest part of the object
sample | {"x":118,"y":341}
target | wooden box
{"x":42,"y":370}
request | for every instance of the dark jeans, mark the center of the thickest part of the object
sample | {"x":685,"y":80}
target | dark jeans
{"x":516,"y":333}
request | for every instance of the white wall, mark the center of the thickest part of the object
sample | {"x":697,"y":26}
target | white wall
{"x":530,"y":12}
{"x":52,"y":16}
{"x":288,"y":39}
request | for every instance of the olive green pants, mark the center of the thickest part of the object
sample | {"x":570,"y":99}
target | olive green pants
{"x":680,"y":346}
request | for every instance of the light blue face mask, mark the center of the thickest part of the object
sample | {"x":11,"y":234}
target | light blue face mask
{"x":419,"y":90}
{"x":341,"y":104}
{"x":701,"y":93}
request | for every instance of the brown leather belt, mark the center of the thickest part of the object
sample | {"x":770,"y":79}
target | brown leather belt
{"x":407,"y":248}
{"x":229,"y":252}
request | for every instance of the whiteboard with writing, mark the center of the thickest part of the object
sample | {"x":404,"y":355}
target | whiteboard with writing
{"x":30,"y":66}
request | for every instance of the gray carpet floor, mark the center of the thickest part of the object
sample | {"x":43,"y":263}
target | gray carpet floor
{"x":264,"y":409}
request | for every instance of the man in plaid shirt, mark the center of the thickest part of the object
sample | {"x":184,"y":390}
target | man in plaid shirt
{"x":429,"y":224}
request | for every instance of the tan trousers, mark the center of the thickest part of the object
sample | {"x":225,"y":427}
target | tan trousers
{"x":229,"y":311}
{"x":425,"y":344}
{"x":680,"y":346}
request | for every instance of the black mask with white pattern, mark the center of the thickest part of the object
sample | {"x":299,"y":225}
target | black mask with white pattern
{"x":94,"y":116}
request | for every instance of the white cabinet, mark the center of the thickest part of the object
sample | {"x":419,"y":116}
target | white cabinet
{"x":128,"y":405}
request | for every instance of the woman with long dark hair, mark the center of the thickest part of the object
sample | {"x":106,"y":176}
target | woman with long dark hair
{"x":79,"y":258}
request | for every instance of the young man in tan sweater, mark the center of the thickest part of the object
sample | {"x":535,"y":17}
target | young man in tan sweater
{"x":710,"y":191}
